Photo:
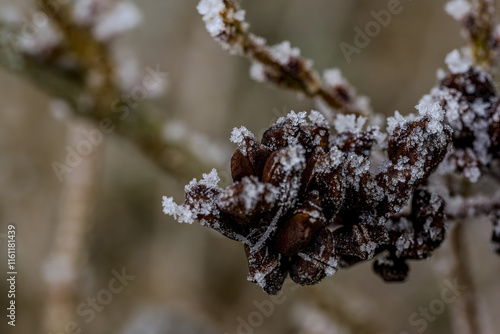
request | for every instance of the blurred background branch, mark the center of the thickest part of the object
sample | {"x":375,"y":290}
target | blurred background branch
{"x":90,"y":90}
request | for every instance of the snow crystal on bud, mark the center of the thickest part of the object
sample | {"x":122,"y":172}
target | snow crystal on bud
{"x":282,"y":52}
{"x":457,"y":63}
{"x":296,"y":118}
{"x":210,"y":180}
{"x":369,"y":248}
{"x":336,"y":157}
{"x":44,"y":38}
{"x":440,"y":74}
{"x":85,"y":12}
{"x":122,"y":17}
{"x":331,"y":267}
{"x":294,"y":160}
{"x":257,"y":72}
{"x":362,"y":103}
{"x":435,"y":114}
{"x":394,"y":122}
{"x":238,"y":136}
{"x":318,"y":119}
{"x":333,"y":77}
{"x":180,"y":213}
{"x":349,"y":123}
{"x":218,"y":25}
{"x":458,"y":9}
{"x":210,"y":10}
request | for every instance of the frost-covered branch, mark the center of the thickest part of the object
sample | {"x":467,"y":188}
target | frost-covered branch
{"x":69,"y":59}
{"x":479,"y":26}
{"x":281,"y":64}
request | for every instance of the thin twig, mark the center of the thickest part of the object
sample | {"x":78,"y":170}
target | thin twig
{"x":480,"y":30}
{"x":465,"y":318}
{"x":66,"y":260}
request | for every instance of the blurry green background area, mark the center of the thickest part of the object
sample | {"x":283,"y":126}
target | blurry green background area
{"x":188,"y":279}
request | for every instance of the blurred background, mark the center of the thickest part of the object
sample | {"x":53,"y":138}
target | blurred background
{"x":188,"y":279}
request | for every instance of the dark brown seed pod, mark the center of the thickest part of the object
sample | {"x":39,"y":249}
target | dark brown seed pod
{"x":249,"y":159}
{"x":397,"y":181}
{"x":472,"y":85}
{"x":329,"y":180}
{"x":320,"y":136}
{"x":358,"y":143}
{"x":295,"y":233}
{"x":266,"y":269}
{"x":283,"y":166}
{"x":248,"y":199}
{"x":278,"y":136}
{"x":309,"y":180}
{"x":391,"y":269}
{"x":316,"y":262}
{"x":202,"y":201}
{"x":306,"y":205}
{"x":359,"y":241}
{"x":406,"y":142}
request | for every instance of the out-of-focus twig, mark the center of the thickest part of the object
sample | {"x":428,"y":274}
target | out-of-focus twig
{"x":336,"y":310}
{"x":477,"y":18}
{"x":99,"y":100}
{"x":67,"y":257}
{"x":480,"y":30}
{"x":465,"y":315}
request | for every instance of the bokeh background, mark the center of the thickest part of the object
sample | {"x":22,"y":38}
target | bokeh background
{"x":188,"y":279}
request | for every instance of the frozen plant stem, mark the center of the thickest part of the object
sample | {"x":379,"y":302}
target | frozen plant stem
{"x":93,"y":55}
{"x":279,"y":65}
{"x":465,"y":319}
{"x":64,"y":267}
{"x":480,"y":30}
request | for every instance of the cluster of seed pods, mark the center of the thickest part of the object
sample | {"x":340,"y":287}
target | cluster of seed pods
{"x":306,"y":202}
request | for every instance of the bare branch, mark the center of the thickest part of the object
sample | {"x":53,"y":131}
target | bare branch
{"x":466,"y":318}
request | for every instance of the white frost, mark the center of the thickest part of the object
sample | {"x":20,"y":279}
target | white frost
{"x":122,"y":17}
{"x":238,"y":136}
{"x":458,"y":9}
{"x":333,"y":77}
{"x":349,"y":123}
{"x":282,"y":52}
{"x":180,"y":213}
{"x":210,"y":180}
{"x":457,"y":63}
